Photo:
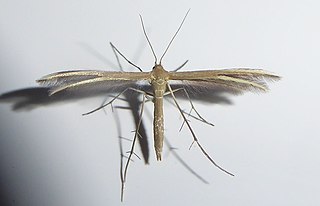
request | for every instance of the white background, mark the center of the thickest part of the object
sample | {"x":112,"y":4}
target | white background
{"x":54,"y":156}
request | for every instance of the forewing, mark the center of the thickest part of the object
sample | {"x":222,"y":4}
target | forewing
{"x":234,"y":81}
{"x":91,"y":80}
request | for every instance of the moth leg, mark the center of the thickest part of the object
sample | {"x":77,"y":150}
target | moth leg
{"x":136,"y":134}
{"x":116,"y":97}
{"x":194,"y":109}
{"x":195,"y":139}
{"x":199,"y":118}
{"x":180,"y":67}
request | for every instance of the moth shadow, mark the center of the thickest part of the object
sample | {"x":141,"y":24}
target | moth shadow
{"x":27,"y":99}
{"x":31,"y":98}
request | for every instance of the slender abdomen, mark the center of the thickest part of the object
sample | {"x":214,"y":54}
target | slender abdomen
{"x":158,"y":125}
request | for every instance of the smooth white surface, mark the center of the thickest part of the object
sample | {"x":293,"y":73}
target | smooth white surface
{"x":54,"y":156}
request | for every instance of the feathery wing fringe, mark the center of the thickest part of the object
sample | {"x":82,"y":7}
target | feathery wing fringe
{"x":234,"y":80}
{"x":90,"y":78}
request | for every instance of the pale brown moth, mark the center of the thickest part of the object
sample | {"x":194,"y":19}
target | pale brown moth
{"x":160,"y":81}
{"x":133,"y":105}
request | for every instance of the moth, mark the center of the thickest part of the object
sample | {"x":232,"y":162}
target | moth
{"x":159,"y":82}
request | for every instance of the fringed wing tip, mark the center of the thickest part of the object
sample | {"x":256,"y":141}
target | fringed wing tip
{"x":47,"y":83}
{"x":41,"y":81}
{"x":48,"y":80}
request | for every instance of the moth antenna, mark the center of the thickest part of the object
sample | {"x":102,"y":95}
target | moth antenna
{"x":165,"y":51}
{"x":145,"y":34}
